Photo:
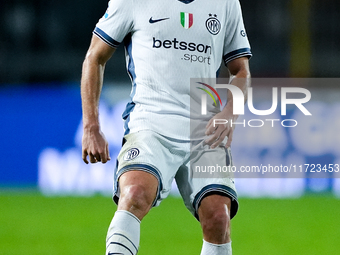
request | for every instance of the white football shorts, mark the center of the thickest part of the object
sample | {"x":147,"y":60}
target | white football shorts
{"x":167,"y":158}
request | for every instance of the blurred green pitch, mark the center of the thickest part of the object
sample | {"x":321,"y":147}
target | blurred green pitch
{"x":31,"y":224}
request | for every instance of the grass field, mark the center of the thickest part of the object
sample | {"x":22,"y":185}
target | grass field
{"x":31,"y":224}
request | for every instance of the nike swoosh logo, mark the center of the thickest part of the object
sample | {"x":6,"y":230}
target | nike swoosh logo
{"x":156,"y":20}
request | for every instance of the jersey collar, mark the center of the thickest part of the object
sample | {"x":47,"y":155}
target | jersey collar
{"x":186,"y":1}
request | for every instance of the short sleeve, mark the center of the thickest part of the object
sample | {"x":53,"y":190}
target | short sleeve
{"x":236,"y":42}
{"x":116,"y":23}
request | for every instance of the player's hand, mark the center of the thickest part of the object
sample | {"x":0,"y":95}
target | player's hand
{"x":95,"y":146}
{"x":218,"y":132}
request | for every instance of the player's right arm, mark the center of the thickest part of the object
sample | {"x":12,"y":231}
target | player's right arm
{"x":94,"y":143}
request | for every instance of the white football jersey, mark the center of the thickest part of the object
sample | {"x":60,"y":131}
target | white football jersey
{"x":168,"y":42}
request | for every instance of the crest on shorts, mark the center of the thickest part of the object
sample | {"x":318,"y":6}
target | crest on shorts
{"x":213,"y":24}
{"x":187,"y":20}
{"x":131,"y":154}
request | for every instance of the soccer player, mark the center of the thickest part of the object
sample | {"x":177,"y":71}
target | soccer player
{"x":167,"y":42}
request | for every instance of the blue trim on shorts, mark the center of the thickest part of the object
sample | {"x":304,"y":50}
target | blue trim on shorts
{"x":216,"y":189}
{"x":141,"y":167}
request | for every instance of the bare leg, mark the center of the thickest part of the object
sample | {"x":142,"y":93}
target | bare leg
{"x":137,"y":193}
{"x":214,"y":215}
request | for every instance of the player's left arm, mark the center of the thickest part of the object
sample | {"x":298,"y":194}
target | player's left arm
{"x":240,"y":77}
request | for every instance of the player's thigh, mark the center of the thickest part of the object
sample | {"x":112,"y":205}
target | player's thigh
{"x":214,"y":194}
{"x":152,"y":160}
{"x":200,"y":184}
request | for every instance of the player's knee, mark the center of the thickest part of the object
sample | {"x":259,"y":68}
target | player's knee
{"x":216,"y":222}
{"x":137,"y":198}
{"x":216,"y":218}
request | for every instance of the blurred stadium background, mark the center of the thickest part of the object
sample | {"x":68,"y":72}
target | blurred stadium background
{"x":52,"y":203}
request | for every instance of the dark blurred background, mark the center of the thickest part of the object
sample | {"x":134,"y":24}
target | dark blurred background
{"x":42,"y":47}
{"x":44,"y":41}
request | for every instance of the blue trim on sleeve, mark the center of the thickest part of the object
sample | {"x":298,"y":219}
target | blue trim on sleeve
{"x":216,"y":188}
{"x":244,"y":52}
{"x":105,"y":37}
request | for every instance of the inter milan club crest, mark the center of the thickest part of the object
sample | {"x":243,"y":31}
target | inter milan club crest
{"x":213,"y":24}
{"x":187,"y":19}
{"x":131,"y":154}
